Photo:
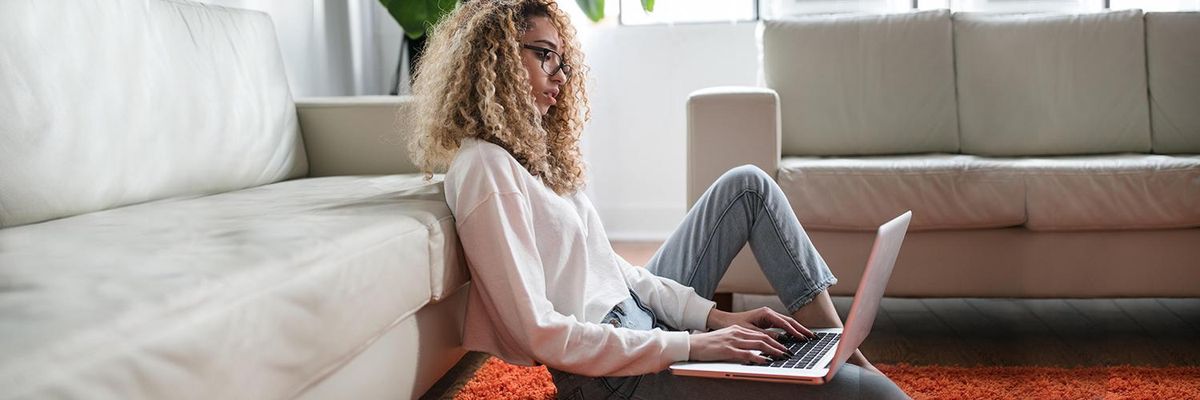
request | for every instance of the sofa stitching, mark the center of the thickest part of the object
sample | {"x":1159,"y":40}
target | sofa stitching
{"x":341,"y":361}
{"x":179,"y":322}
{"x":344,"y":359}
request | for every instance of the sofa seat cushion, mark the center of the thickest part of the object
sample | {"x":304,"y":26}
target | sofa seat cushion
{"x":944,"y":191}
{"x":1127,"y":191}
{"x":249,"y":294}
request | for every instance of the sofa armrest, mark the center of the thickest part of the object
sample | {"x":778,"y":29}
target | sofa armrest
{"x":361,"y":135}
{"x":727,"y":127}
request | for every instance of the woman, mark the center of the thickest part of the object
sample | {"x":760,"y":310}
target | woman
{"x":501,"y":105}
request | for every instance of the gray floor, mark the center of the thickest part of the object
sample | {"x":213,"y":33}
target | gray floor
{"x":1046,"y":332}
{"x":980,"y":331}
{"x":973,"y":331}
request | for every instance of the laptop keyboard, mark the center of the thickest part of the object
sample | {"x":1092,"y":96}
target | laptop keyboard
{"x":807,"y":353}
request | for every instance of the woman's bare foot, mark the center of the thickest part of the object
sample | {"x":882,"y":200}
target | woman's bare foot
{"x":820,"y":313}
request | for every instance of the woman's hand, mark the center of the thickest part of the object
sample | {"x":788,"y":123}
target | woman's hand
{"x":734,"y":343}
{"x":737,"y":334}
{"x":759,"y":319}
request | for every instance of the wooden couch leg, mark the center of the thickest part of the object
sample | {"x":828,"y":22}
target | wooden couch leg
{"x":724,"y":301}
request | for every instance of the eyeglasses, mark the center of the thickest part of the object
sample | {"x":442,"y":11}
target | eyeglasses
{"x":552,"y":62}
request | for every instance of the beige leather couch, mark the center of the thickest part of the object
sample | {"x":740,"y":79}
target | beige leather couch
{"x":173,"y":225}
{"x":1043,"y":155}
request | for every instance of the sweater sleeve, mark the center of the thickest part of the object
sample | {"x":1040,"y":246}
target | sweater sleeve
{"x":498,"y":238}
{"x":674,"y":303}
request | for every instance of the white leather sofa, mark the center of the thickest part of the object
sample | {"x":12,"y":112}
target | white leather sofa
{"x":173,"y":225}
{"x":1043,"y":155}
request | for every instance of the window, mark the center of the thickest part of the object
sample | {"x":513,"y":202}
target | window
{"x":1060,"y":5}
{"x":1027,"y":5}
{"x":1156,"y":5}
{"x":783,"y":8}
{"x":693,"y":11}
{"x":688,"y":11}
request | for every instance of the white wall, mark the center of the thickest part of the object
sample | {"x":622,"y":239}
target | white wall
{"x":641,"y":76}
{"x":636,"y":142}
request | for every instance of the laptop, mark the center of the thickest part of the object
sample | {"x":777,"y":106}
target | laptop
{"x":817,"y":360}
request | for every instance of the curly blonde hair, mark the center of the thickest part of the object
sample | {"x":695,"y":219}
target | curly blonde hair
{"x":470,"y":83}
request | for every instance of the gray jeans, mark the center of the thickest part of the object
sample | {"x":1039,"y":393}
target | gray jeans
{"x":743,"y":205}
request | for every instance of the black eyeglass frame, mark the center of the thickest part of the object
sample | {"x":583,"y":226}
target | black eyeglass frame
{"x":562,"y":61}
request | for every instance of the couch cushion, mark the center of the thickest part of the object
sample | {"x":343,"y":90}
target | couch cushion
{"x":115,"y":102}
{"x":1051,"y":84}
{"x":943,"y":191}
{"x":863,"y":84}
{"x":251,"y":293}
{"x":1130,"y":191}
{"x":1173,"y":57}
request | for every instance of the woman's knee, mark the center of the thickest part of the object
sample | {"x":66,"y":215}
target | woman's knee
{"x":744,"y":175}
{"x":876,"y":386}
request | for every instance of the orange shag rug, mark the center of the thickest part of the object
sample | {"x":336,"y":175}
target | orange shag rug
{"x":499,"y":380}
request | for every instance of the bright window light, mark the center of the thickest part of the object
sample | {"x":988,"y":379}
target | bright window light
{"x":933,"y":4}
{"x":784,"y":8}
{"x":693,"y":11}
{"x":1027,"y":5}
{"x":688,"y":11}
{"x":1156,"y":5}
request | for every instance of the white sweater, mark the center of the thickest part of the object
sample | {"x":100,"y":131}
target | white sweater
{"x":544,"y":274}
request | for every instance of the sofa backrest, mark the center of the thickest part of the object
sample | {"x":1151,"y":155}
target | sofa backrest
{"x":1051,"y":84}
{"x":986,"y":83}
{"x":108,"y":103}
{"x":863,"y":84}
{"x":1173,"y":60}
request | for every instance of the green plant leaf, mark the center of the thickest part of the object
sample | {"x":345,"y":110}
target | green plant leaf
{"x":416,"y":16}
{"x":593,"y":8}
{"x":648,"y":5}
